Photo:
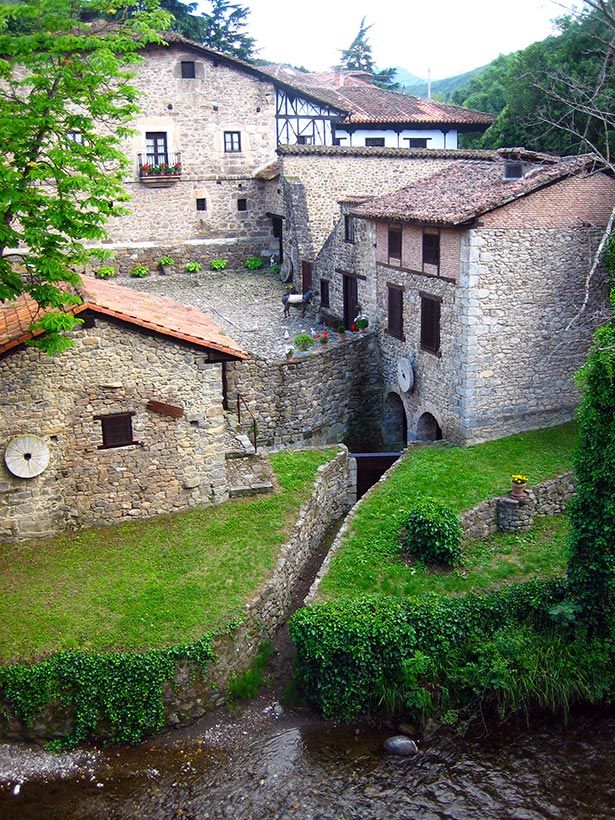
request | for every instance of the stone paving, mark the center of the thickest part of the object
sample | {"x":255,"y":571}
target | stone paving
{"x":247,"y":304}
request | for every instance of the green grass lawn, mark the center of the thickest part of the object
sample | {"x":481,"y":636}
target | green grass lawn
{"x":369,"y":559}
{"x":149,"y":583}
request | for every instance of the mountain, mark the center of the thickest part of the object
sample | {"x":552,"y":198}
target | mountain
{"x":442,"y":88}
{"x":404,"y":77}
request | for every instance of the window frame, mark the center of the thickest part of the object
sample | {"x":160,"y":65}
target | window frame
{"x":157,"y":156}
{"x":395,"y":308}
{"x":109,"y":441}
{"x":325,"y":293}
{"x":431,"y":341}
{"x":189,"y":76}
{"x":198,"y":200}
{"x":242,"y":204}
{"x":375,"y":142}
{"x":432,"y":236}
{"x":422,"y":140}
{"x":232,"y":142}
{"x":348,"y":229}
{"x":394,"y":230}
{"x":517,"y":165}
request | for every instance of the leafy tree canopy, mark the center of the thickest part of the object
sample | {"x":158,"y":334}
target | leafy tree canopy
{"x":222,"y":28}
{"x":358,"y":57}
{"x":66,"y":102}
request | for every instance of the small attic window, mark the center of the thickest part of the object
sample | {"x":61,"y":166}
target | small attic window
{"x":513,"y":170}
{"x":188,"y":70}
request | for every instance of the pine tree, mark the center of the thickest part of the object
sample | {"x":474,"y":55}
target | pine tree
{"x":224,"y":30}
{"x":358,"y":57}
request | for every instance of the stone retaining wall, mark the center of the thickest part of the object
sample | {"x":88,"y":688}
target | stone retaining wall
{"x":187,"y":698}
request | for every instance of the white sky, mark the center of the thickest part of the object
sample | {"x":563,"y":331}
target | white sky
{"x":448,"y":36}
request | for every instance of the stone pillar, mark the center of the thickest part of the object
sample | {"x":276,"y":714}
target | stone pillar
{"x":515,"y":514}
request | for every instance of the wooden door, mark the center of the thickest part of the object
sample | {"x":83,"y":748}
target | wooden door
{"x":351,"y":300}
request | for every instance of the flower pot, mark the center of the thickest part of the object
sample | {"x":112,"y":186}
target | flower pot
{"x":166,"y":270}
{"x":518,"y":489}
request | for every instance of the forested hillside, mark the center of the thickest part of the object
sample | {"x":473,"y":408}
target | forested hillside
{"x":440,"y":89}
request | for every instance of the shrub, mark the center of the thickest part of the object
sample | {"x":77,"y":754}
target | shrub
{"x":218,"y":264}
{"x":304,"y":341}
{"x":106,"y":272}
{"x":193,"y":267}
{"x":362,"y":324}
{"x":166,"y":261}
{"x":254,"y":263}
{"x":140,"y":271}
{"x":275,"y":268}
{"x":432,"y":533}
{"x":341,"y":329}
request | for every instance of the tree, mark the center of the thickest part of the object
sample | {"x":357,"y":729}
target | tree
{"x":185,"y":22}
{"x":66,"y":102}
{"x":358,"y":57}
{"x":223,"y":30}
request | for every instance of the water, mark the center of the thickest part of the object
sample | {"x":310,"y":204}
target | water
{"x":296,"y":767}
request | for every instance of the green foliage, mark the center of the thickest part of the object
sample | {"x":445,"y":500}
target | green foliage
{"x":140,"y":271}
{"x":275,"y":268}
{"x":362,"y":324}
{"x":358,"y":57}
{"x":304,"y":341}
{"x":247,"y":685}
{"x":254,"y":263}
{"x":502,"y":652}
{"x":53,"y":328}
{"x":591,"y":568}
{"x":193,"y":267}
{"x":218,"y":264}
{"x":166,"y":261}
{"x":432,"y":533}
{"x":341,"y":329}
{"x":115,"y":694}
{"x":106,"y":272}
{"x":65,"y":106}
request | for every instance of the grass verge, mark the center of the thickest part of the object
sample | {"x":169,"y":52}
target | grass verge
{"x":151,"y":583}
{"x":459,"y":477}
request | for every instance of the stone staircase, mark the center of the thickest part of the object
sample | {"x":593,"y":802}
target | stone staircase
{"x":247,"y":473}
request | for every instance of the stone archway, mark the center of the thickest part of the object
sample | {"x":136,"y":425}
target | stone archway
{"x":428,"y":429}
{"x":394,"y":424}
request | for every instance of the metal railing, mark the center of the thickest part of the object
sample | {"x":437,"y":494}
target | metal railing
{"x":160,"y":164}
{"x":240,"y":401}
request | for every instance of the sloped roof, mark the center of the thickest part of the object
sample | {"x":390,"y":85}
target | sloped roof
{"x":466,"y":189}
{"x":156,"y":313}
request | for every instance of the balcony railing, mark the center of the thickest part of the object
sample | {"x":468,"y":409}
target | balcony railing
{"x":160,"y":166}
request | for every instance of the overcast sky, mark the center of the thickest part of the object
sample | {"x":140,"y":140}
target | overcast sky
{"x":447,"y":36}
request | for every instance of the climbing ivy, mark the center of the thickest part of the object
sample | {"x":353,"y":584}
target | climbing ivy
{"x":116,"y":694}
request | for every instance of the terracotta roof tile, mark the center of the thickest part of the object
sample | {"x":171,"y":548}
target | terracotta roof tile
{"x":465,"y":189}
{"x":155,"y":313}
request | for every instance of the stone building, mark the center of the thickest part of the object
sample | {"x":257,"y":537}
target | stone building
{"x":473,"y":277}
{"x":126,"y":424}
{"x":202,"y":184}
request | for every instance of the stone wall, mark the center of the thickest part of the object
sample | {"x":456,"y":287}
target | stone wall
{"x":189,"y":697}
{"x":175,"y":462}
{"x":323,"y":397}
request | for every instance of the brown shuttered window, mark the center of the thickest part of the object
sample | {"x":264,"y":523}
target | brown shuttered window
{"x":324,"y":293}
{"x":395,"y":325}
{"x":395,"y":244}
{"x":430,"y":324}
{"x":431,"y":249}
{"x":116,"y":430}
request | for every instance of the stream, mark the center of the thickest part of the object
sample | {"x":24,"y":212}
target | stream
{"x":266,"y":765}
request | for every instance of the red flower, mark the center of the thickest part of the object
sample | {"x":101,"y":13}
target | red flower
{"x":353,"y":327}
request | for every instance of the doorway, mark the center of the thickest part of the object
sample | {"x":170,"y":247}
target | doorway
{"x":428,"y":429}
{"x":277,"y":231}
{"x":394,"y":423}
{"x":351,"y":300}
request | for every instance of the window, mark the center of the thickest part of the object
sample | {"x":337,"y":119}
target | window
{"x":188,"y":72}
{"x":430,"y":323}
{"x":156,"y":149}
{"x":513,"y":170}
{"x":201,"y":204}
{"x":324,"y":293}
{"x":116,"y":430}
{"x":395,"y":326}
{"x":416,"y":142}
{"x":431,"y":249}
{"x":303,"y":140}
{"x":394,"y":244}
{"x":242,"y":204}
{"x":339,"y":140}
{"x":348,"y":228}
{"x":374,"y":142}
{"x":75,"y":136}
{"x":232,"y":142}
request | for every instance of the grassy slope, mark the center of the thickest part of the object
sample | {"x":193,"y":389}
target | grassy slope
{"x":368,"y":561}
{"x":148,"y":583}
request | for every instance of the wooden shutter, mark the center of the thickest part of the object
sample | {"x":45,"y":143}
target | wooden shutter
{"x":324,"y":293}
{"x":396,"y":312}
{"x":306,"y":276}
{"x":430,"y":324}
{"x":116,"y":430}
{"x":395,"y":243}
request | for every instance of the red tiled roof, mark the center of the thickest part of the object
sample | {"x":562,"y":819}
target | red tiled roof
{"x":156,"y":313}
{"x":466,"y":189}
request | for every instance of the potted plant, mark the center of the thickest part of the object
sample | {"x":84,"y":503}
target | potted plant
{"x":341,"y":330}
{"x":106,"y":272}
{"x":362,"y":324}
{"x":304,"y":341}
{"x":193,"y":267}
{"x":324,"y":338}
{"x":519,"y":483}
{"x":165,"y":263}
{"x":140,"y":271}
{"x":218,"y":264}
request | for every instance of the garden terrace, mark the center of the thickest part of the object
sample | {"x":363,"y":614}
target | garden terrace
{"x":369,"y":558}
{"x":151,"y":583}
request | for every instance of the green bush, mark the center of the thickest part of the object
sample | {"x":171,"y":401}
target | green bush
{"x":166,"y":261}
{"x":193,"y":267}
{"x":106,"y":272}
{"x":304,"y":341}
{"x":432,"y":533}
{"x":275,"y":268}
{"x":254,"y":263}
{"x":218,"y":264}
{"x":140,"y":271}
{"x":357,"y":655}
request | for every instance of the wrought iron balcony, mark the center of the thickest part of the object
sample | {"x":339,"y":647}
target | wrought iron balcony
{"x":161,"y":168}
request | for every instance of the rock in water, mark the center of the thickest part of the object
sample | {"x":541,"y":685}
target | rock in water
{"x":400,"y":745}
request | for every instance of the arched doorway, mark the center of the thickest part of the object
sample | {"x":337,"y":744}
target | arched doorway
{"x":394,"y":424}
{"x":428,"y":429}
